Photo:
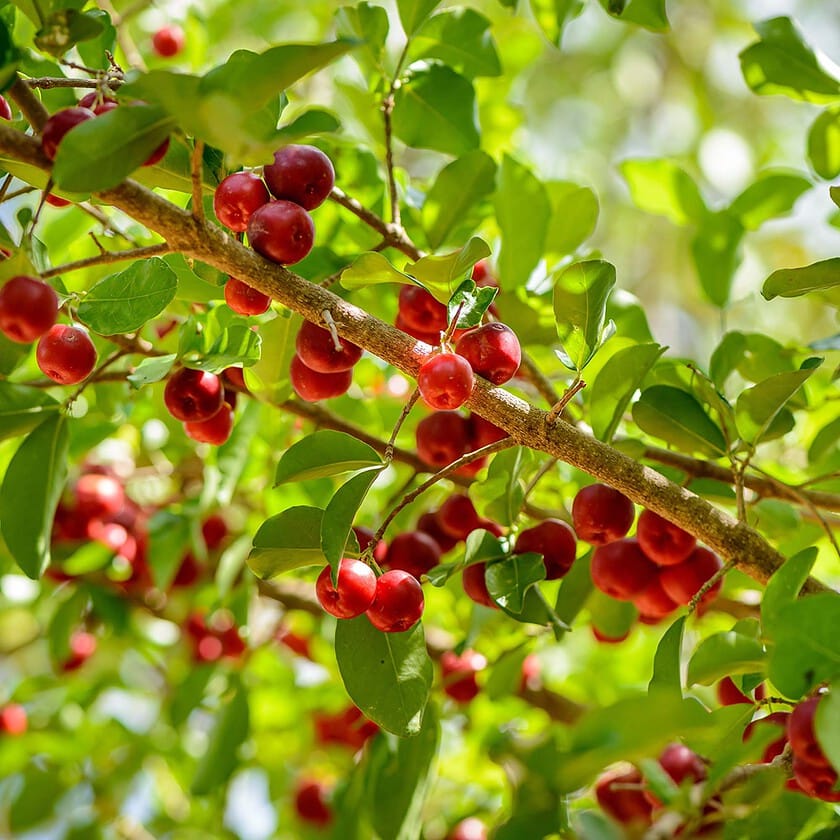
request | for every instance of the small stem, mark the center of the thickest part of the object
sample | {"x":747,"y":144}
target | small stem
{"x":4,"y":187}
{"x":29,"y":104}
{"x":546,"y":468}
{"x":560,"y":405}
{"x":330,"y":322}
{"x":451,"y":327}
{"x":108,"y":257}
{"x":728,"y":566}
{"x":94,"y":377}
{"x":554,"y":620}
{"x":389,"y":448}
{"x":197,"y":187}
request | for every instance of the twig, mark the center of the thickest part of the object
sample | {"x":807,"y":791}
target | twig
{"x":4,"y":187}
{"x":29,"y":104}
{"x":197,"y":186}
{"x":541,"y":472}
{"x":558,"y":408}
{"x":108,"y":257}
{"x":389,"y":447}
{"x":124,"y":38}
{"x":106,"y":222}
{"x":710,"y":583}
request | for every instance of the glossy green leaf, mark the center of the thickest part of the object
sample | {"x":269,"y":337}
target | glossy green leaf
{"x":824,"y":144}
{"x":648,"y":13}
{"x":500,"y":495}
{"x":553,"y":15}
{"x":523,"y":211}
{"x":574,"y":214}
{"x":469,"y":303}
{"x":442,"y":275}
{"x":435,"y":109}
{"x":662,"y":188}
{"x":724,"y":654}
{"x":575,"y":590}
{"x":99,"y":154}
{"x":340,"y":514}
{"x":784,"y":586}
{"x":387,"y":675}
{"x":9,"y":57}
{"x":311,"y":122}
{"x":22,"y":409}
{"x":371,"y":269}
{"x":268,"y":378}
{"x":151,"y":369}
{"x":675,"y":416}
{"x":30,"y":492}
{"x":667,"y":675}
{"x":324,"y":453}
{"x":458,"y":188}
{"x":235,"y":345}
{"x":92,"y":51}
{"x":231,"y":729}
{"x":289,"y":540}
{"x":125,"y":301}
{"x":580,"y":304}
{"x":715,"y":250}
{"x":772,"y":195}
{"x":508,"y":581}
{"x":793,"y":282}
{"x":615,"y":384}
{"x":780,"y":62}
{"x":461,"y":38}
{"x":413,"y":13}
{"x":827,"y":725}
{"x":612,"y":618}
{"x":825,"y":441}
{"x":367,"y":23}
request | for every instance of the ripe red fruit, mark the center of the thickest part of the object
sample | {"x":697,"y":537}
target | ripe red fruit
{"x":621,"y":570}
{"x":214,"y":529}
{"x":620,"y":794}
{"x":475,"y":585}
{"x":317,"y":350}
{"x":66,"y":354}
{"x":728,"y":694}
{"x":421,"y":311}
{"x":601,"y":514}
{"x":776,"y":747}
{"x":445,"y":381}
{"x":817,"y":780}
{"x":606,"y":639}
{"x":157,"y":155}
{"x":94,"y":100}
{"x":82,"y":647}
{"x":312,"y":386}
{"x":442,"y":438}
{"x":349,"y":728}
{"x":681,"y":763}
{"x":244,"y":299}
{"x":428,"y":524}
{"x":470,"y":828}
{"x":281,"y":231}
{"x":188,"y":572}
{"x":28,"y":308}
{"x":58,"y":125}
{"x":458,"y":517}
{"x":193,"y":395}
{"x":663,"y":542}
{"x":57,"y":201}
{"x":13,"y":719}
{"x":801,"y":734}
{"x":492,"y":350}
{"x":354,"y":592}
{"x":311,"y":802}
{"x":214,"y":430}
{"x":413,"y":552}
{"x":683,"y":581}
{"x":482,"y":432}
{"x":302,"y":174}
{"x":168,"y":41}
{"x":98,"y":496}
{"x":398,"y":603}
{"x":5,"y":109}
{"x":653,"y":601}
{"x":555,"y":540}
{"x":364,"y":536}
{"x":432,"y":338}
{"x":237,"y":197}
{"x":459,"y":672}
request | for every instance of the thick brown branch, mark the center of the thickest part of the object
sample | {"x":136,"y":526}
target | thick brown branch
{"x":29,"y":104}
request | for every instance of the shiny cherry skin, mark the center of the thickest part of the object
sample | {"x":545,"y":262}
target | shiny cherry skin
{"x":445,"y":381}
{"x":683,"y":581}
{"x":66,"y":354}
{"x":244,"y":299}
{"x":355,"y":590}
{"x":555,"y":540}
{"x":621,"y":570}
{"x":601,"y":515}
{"x":5,"y":109}
{"x":458,"y":517}
{"x":302,"y":174}
{"x":619,"y":793}
{"x":492,"y":350}
{"x":475,"y":585}
{"x":317,"y":350}
{"x":28,"y":308}
{"x":421,"y":311}
{"x":414,"y":552}
{"x":312,"y":386}
{"x":801,"y":733}
{"x":237,"y":197}
{"x":281,"y":231}
{"x":193,"y":395}
{"x":428,"y":524}
{"x":398,"y":603}
{"x":58,"y":125}
{"x":662,"y":541}
{"x":98,"y":496}
{"x":214,"y":430}
{"x":168,"y":41}
{"x":442,"y":438}
{"x":459,"y":674}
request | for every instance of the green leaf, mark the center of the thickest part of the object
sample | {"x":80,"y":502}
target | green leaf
{"x":125,"y":301}
{"x":757,"y":407}
{"x":505,"y":675}
{"x":30,"y":492}
{"x":824,"y":144}
{"x":807,"y":651}
{"x":443,"y":275}
{"x":233,"y":455}
{"x":662,"y":188}
{"x":715,"y":250}
{"x":648,"y":13}
{"x":580,"y":304}
{"x":772,"y":195}
{"x":289,"y":540}
{"x":231,"y":730}
{"x":66,"y":618}
{"x":22,"y":409}
{"x":784,"y":586}
{"x":827,"y":725}
{"x":9,"y":57}
{"x":613,"y":619}
{"x":666,"y":679}
{"x":340,"y":513}
{"x":367,"y":23}
{"x":615,"y":384}
{"x":268,"y":378}
{"x":324,"y":453}
{"x":824,"y":442}
{"x":387,"y":675}
{"x":675,"y":416}
{"x":575,"y":590}
{"x":461,"y":39}
{"x":413,"y":13}
{"x":41,"y":787}
{"x":65,"y":28}
{"x":401,"y":781}
{"x":435,"y":108}
{"x":553,"y":15}
{"x":99,"y":154}
{"x":469,"y":303}
{"x":509,"y":580}
{"x":313,"y":121}
{"x":371,"y":269}
{"x":219,"y":340}
{"x":724,"y":654}
{"x":574,"y":214}
{"x":458,"y":188}
{"x":152,"y":369}
{"x":523,"y":211}
{"x":169,"y":538}
{"x":500,"y":495}
{"x":793,"y":282}
{"x":782,"y":63}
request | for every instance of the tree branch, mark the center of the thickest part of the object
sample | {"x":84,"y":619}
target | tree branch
{"x":108,"y":257}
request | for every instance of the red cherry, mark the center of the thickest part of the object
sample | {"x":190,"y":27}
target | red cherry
{"x":94,"y":100}
{"x":398,"y":603}
{"x":312,"y":386}
{"x":214,"y":529}
{"x":157,"y":155}
{"x":601,"y":514}
{"x":555,"y":540}
{"x":193,"y":395}
{"x":801,"y":733}
{"x":483,"y":432}
{"x":620,"y":793}
{"x":421,"y":311}
{"x":475,"y":585}
{"x":442,"y":438}
{"x":492,"y":350}
{"x":13,"y":719}
{"x":776,"y":747}
{"x":459,"y":672}
{"x":58,"y":125}
{"x":445,"y":381}
{"x":458,"y":517}
{"x":5,"y":109}
{"x":237,"y":197}
{"x":168,"y":41}
{"x":294,"y":642}
{"x":28,"y":308}
{"x":317,"y":350}
{"x":66,"y":354}
{"x":214,"y":430}
{"x":349,"y":728}
{"x":82,"y":647}
{"x":432,"y":338}
{"x":413,"y":552}
{"x":621,"y":570}
{"x":680,"y":763}
{"x":683,"y":581}
{"x":311,"y":802}
{"x":470,"y":828}
{"x":816,"y":780}
{"x":281,"y":231}
{"x":607,"y":639}
{"x":728,"y":694}
{"x":354,"y":592}
{"x":188,"y":572}
{"x":653,"y":601}
{"x":57,"y":201}
{"x":98,"y":496}
{"x":302,"y":174}
{"x":428,"y":524}
{"x":364,"y":536}
{"x":663,"y":542}
{"x":235,"y":377}
{"x":244,"y":299}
